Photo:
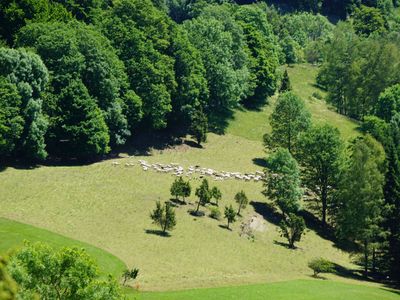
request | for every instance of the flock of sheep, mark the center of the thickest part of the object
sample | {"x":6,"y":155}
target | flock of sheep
{"x":195,"y":171}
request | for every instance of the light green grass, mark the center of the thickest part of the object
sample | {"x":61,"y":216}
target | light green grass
{"x":13,"y":234}
{"x":253,"y":124}
{"x":298,"y":289}
{"x":109,"y":208}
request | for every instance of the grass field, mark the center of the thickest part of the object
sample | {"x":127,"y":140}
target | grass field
{"x":253,"y":124}
{"x":108,"y":206}
{"x":13,"y":234}
{"x":297,"y":289}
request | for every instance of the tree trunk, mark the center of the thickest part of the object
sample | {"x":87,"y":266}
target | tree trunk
{"x":373,"y":260}
{"x":324,"y":212}
{"x":324,"y":199}
{"x":198,"y":206}
{"x":238,"y":213}
{"x":366,"y":259}
{"x":228,"y":224}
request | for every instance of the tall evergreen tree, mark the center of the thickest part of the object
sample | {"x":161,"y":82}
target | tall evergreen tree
{"x":286,"y":86}
{"x":360,"y":214}
{"x":391,"y":191}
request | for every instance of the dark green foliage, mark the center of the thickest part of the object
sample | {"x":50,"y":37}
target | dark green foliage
{"x":376,"y":127}
{"x":241,"y":200}
{"x":85,"y":10}
{"x":282,"y":182}
{"x":221,"y":43}
{"x":368,"y":20}
{"x":263,"y":58}
{"x":14,"y":14}
{"x":142,"y":36}
{"x":68,"y":273}
{"x":391,"y":191}
{"x":164,"y":216}
{"x":292,"y":228}
{"x":192,"y":90}
{"x":388,"y":103}
{"x":203,"y":193}
{"x":321,"y":265}
{"x":289,"y":118}
{"x":199,"y":126}
{"x":357,"y":70}
{"x":76,"y":51}
{"x":359,"y":215}
{"x":25,"y":71}
{"x":180,"y":188}
{"x":321,"y":155}
{"x":130,"y":274}
{"x":286,"y":86}
{"x":80,"y":128}
{"x":216,"y":194}
{"x":11,"y":121}
{"x":230,"y":215}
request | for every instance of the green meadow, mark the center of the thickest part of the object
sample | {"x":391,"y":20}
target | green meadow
{"x":105,"y":207}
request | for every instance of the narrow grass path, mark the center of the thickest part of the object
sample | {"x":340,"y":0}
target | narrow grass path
{"x":13,"y":234}
{"x":297,"y":289}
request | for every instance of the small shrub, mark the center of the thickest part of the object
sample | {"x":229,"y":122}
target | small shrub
{"x":321,"y":265}
{"x":215,"y":213}
{"x":317,"y":95}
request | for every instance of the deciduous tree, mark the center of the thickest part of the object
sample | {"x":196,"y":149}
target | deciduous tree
{"x":282,"y":181}
{"x":289,"y":118}
{"x":320,"y":152}
{"x":292,"y":228}
{"x":241,"y":200}
{"x":230,"y":215}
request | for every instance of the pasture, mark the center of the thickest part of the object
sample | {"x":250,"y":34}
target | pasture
{"x":108,"y":205}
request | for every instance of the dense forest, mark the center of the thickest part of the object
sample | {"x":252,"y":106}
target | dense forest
{"x":79,"y":79}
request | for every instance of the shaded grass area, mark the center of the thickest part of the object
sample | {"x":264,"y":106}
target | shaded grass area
{"x":13,"y":234}
{"x":298,"y":289}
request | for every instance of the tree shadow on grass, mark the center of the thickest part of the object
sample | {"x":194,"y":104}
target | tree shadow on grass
{"x":194,"y":213}
{"x":313,"y":223}
{"x":285,"y":245}
{"x":157,"y":232}
{"x":224,"y":227}
{"x":267,"y":211}
{"x":391,"y":290}
{"x":193,"y":144}
{"x":318,"y":277}
{"x":325,"y":231}
{"x":218,"y":122}
{"x":261,"y":162}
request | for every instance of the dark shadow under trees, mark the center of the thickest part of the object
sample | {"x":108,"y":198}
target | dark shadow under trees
{"x":158,"y":232}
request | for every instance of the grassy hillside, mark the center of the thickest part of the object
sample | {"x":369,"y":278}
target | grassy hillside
{"x":13,"y":234}
{"x":253,"y":124}
{"x":108,"y":206}
{"x":298,"y":289}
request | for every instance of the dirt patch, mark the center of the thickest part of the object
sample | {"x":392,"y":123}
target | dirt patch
{"x":255,"y":223}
